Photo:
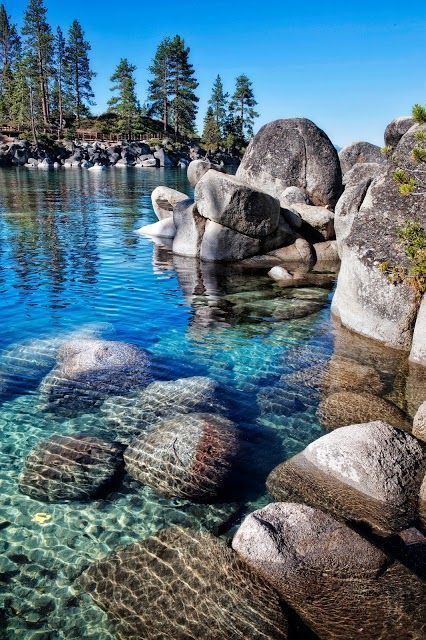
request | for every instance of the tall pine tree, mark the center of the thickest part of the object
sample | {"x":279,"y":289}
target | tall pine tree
{"x":218,"y":102}
{"x":125,"y":104}
{"x":39,"y":48}
{"x":59,"y":88}
{"x":159,"y":86}
{"x":184,"y":101}
{"x":242,"y":106}
{"x":212,"y":136}
{"x":10,"y":49}
{"x":78,"y":74}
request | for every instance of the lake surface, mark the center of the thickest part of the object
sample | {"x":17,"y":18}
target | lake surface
{"x":71,"y":264}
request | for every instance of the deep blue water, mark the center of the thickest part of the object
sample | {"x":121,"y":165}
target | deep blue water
{"x":70,"y":261}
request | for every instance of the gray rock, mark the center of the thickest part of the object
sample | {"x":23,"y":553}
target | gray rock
{"x":189,"y":229}
{"x":340,"y":584}
{"x":157,"y":589}
{"x":71,"y":467}
{"x":365,"y":473}
{"x":319,"y":220}
{"x":231,"y":203}
{"x":359,"y":153}
{"x":189,"y":456}
{"x":365,"y":300}
{"x":90,"y":370}
{"x":293,"y":152}
{"x":164,"y":200}
{"x":164,"y":228}
{"x":396,"y":129}
{"x":197,"y":168}
{"x":326,"y":251}
{"x":293,"y":195}
{"x":419,"y":422}
{"x":222,"y":244}
{"x":361,"y":172}
{"x":279,"y":273}
{"x":418,"y":346}
{"x":133,"y":414}
{"x":300,"y":251}
{"x":163,"y":158}
{"x":403,"y":151}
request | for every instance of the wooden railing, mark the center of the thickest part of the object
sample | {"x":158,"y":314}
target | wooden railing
{"x":90,"y":135}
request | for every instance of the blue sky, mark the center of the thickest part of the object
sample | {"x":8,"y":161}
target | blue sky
{"x":351,"y":67}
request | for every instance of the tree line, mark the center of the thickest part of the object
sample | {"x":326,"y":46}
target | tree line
{"x":46,"y":82}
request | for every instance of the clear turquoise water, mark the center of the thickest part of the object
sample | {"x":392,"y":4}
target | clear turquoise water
{"x":70,"y":261}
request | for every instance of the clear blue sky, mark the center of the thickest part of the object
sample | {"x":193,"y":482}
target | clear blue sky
{"x":349,"y":66}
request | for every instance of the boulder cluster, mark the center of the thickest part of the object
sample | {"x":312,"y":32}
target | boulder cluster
{"x":100,"y":155}
{"x":279,"y":205}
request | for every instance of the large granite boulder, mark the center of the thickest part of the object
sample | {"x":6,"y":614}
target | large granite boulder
{"x":133,"y":414}
{"x":164,"y":159}
{"x":89,"y":370}
{"x":189,"y":456}
{"x":347,"y":406}
{"x":396,"y":129}
{"x":182,"y":584}
{"x":164,"y":200}
{"x":197,"y":168}
{"x":230,"y":202}
{"x":419,"y":422}
{"x":402,"y":153}
{"x":222,"y":244}
{"x":164,"y":228}
{"x":366,"y":473}
{"x":189,"y":229}
{"x":71,"y":467}
{"x":418,"y":345}
{"x":339,"y":583}
{"x":366,"y":300}
{"x":293,"y":152}
{"x":319,"y":221}
{"x":359,"y":153}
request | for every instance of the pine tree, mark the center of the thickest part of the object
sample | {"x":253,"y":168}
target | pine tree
{"x":242,"y":106}
{"x":218,"y":102}
{"x":59,"y":89}
{"x":211,"y":133}
{"x":159,"y":87}
{"x":78,"y":74}
{"x":184,"y":102}
{"x":39,"y":44}
{"x":10,"y":50}
{"x":125,"y":104}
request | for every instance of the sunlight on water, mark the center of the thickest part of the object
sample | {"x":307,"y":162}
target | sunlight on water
{"x":72,"y":266}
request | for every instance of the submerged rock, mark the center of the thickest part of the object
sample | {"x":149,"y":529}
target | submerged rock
{"x":346,"y":407}
{"x":131,"y":415}
{"x":293,"y":152}
{"x":182,"y":584}
{"x":71,"y":467}
{"x":369,"y":473}
{"x":339,"y":583}
{"x":187,"y":455}
{"x":90,"y":370}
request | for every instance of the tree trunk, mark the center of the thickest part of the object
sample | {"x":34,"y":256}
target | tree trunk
{"x":33,"y":127}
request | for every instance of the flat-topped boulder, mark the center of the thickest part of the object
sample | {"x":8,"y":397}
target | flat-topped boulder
{"x":365,"y":473}
{"x":189,"y":456}
{"x":229,"y":201}
{"x":340,"y":584}
{"x":71,"y":467}
{"x":182,"y":584}
{"x":359,"y":153}
{"x":89,"y":370}
{"x":293,"y":152}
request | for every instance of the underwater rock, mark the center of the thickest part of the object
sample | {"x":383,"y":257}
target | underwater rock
{"x":189,"y":456}
{"x":130,"y":415}
{"x":90,"y":370}
{"x":182,"y":584}
{"x":346,"y":407}
{"x":419,"y":422}
{"x":369,"y":473}
{"x":72,"y":467}
{"x":341,"y":585}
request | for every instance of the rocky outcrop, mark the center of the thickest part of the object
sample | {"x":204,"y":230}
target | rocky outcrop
{"x":90,"y":370}
{"x":187,"y":456}
{"x":293,"y":152}
{"x":366,"y":473}
{"x":71,"y":467}
{"x":343,"y":586}
{"x":183,"y":584}
{"x":130,"y":415}
{"x":396,"y":129}
{"x":359,"y":153}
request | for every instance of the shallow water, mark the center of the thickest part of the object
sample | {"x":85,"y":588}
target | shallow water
{"x":70,"y":262}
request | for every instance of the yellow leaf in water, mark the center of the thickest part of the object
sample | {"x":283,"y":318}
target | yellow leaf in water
{"x":41,"y":518}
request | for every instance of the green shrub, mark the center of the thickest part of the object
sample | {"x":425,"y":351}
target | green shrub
{"x":419,"y":113}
